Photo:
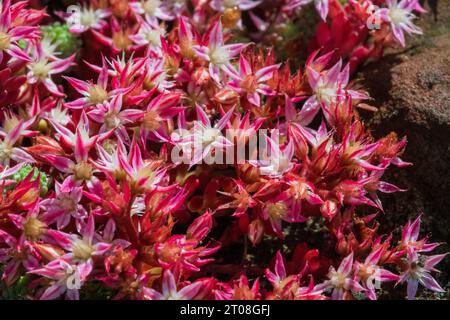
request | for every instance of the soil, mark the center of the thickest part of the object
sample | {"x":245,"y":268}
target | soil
{"x":411,"y":88}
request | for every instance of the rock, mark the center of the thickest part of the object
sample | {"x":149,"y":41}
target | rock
{"x":411,"y":88}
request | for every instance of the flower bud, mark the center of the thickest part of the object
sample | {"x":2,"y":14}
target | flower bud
{"x":256,"y":231}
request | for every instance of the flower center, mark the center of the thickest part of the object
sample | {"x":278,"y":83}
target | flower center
{"x":398,"y":16}
{"x":5,"y":151}
{"x":415,"y":270}
{"x":231,"y":16}
{"x":40,"y":69}
{"x":326,"y":93}
{"x":121,"y":40}
{"x":97,"y":94}
{"x":5,"y":41}
{"x":82,"y":250}
{"x":112,"y":120}
{"x":150,"y":6}
{"x":153,"y":37}
{"x":33,"y":229}
{"x":67,"y":203}
{"x":83,"y":171}
{"x":152,"y":121}
{"x":365,"y":272}
{"x":88,"y":18}
{"x":30,"y":196}
{"x":338,"y":280}
{"x":277,"y":210}
{"x":299,"y":190}
{"x":170,"y":253}
{"x":11,"y":122}
{"x":210,"y":135}
{"x":146,"y":177}
{"x":219,"y":55}
{"x":249,"y":83}
{"x":231,"y":3}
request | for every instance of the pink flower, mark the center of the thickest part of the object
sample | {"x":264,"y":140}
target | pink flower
{"x":221,"y":5}
{"x":151,"y":9}
{"x":320,"y":138}
{"x":161,"y":109}
{"x":108,"y":160}
{"x":10,"y":34}
{"x":243,"y":200}
{"x":328,"y":86}
{"x":418,"y":269}
{"x":353,"y":193}
{"x":93,"y":93}
{"x":280,"y":209}
{"x":200,"y":227}
{"x":239,"y":290}
{"x":58,"y":114}
{"x":12,"y":121}
{"x":34,"y":225}
{"x":311,"y":292}
{"x":155,"y":75}
{"x":40,"y":69}
{"x":184,"y":253}
{"x":149,"y":34}
{"x":410,"y":240}
{"x":279,"y":274}
{"x":288,"y":287}
{"x":301,"y":190}
{"x":400,"y":16}
{"x":180,"y":253}
{"x":109,"y":236}
{"x":321,"y":6}
{"x":65,"y":205}
{"x":373,"y":184}
{"x":67,"y":278}
{"x":205,"y":137}
{"x":278,"y":161}
{"x":81,"y":169}
{"x":82,"y":249}
{"x":7,"y":172}
{"x":217,"y":53}
{"x":369,"y":273}
{"x":342,"y":280}
{"x":113,"y":118}
{"x":171,"y":292}
{"x":359,"y":150}
{"x":8,"y":150}
{"x":18,"y":254}
{"x":85,"y":18}
{"x":143,"y":175}
{"x":252,"y":83}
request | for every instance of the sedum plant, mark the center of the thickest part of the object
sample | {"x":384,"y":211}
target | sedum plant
{"x":138,"y":112}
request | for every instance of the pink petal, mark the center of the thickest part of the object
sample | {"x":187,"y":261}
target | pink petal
{"x":60,"y":163}
{"x":216,"y":35}
{"x":430,"y":283}
{"x":53,"y":292}
{"x":169,"y":285}
{"x":266,"y":73}
{"x":346,"y":264}
{"x":279,"y":266}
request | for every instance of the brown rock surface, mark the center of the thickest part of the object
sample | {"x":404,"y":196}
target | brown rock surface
{"x":411,"y":88}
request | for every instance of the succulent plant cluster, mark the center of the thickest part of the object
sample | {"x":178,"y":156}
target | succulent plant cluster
{"x":97,"y":96}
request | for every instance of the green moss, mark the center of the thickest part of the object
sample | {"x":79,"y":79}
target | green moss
{"x":290,"y":31}
{"x":17,"y":291}
{"x":23,"y":173}
{"x":22,"y":43}
{"x":59,"y":34}
{"x":96,"y":290}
